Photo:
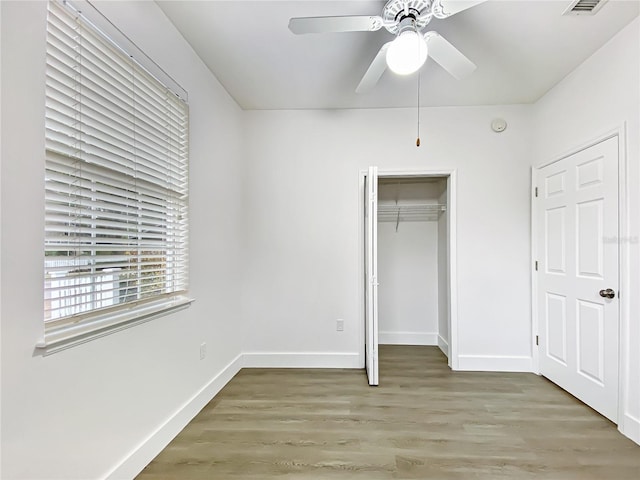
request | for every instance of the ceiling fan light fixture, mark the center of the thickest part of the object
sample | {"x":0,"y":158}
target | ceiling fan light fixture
{"x":407,"y":53}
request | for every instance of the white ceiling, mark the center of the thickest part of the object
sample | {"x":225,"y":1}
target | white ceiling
{"x":522,"y":48}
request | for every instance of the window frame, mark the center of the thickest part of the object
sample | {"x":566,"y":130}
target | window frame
{"x":80,"y":327}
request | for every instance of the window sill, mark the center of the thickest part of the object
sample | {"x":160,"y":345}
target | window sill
{"x":63,"y":337}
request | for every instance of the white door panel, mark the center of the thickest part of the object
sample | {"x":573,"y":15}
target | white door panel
{"x":577,"y":227}
{"x":371,"y":280}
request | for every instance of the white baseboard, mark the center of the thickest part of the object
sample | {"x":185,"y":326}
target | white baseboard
{"x":407,"y":338}
{"x":301,"y":360}
{"x":630,"y":428}
{"x":497,"y":363}
{"x":140,"y":456}
{"x":443,"y":345}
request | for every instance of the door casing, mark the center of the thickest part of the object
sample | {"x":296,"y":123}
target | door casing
{"x":623,"y":258}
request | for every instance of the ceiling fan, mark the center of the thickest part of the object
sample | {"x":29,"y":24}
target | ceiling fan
{"x":409,"y":50}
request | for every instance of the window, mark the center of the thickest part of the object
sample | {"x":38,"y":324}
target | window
{"x":116,"y":185}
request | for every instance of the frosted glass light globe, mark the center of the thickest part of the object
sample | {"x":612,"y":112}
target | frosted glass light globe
{"x":407,"y":53}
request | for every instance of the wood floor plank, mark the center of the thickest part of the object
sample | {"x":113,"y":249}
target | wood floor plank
{"x":423,"y":422}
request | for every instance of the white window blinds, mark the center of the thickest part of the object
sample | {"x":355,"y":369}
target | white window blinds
{"x":116,"y":181}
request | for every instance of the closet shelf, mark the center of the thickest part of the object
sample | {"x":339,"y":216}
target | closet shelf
{"x":414,"y":212}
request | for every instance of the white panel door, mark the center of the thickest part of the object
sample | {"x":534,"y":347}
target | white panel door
{"x":577,"y":225}
{"x":371,"y":274}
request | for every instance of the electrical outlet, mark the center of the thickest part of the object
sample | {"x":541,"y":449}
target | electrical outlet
{"x":340,"y":325}
{"x":203,"y":351}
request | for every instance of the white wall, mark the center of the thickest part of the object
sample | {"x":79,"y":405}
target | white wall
{"x":601,"y":95}
{"x":302,"y":202}
{"x":80,"y":412}
{"x":443,"y":278}
{"x":408,"y":278}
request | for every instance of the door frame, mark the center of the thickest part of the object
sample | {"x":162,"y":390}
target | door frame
{"x":451,"y":176}
{"x":624,"y":269}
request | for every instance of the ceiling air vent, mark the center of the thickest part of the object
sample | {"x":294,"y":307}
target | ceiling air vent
{"x":584,"y":7}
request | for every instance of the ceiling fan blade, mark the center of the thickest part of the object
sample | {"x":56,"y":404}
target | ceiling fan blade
{"x":375,"y":70}
{"x":354,"y":23}
{"x":451,"y":7}
{"x":448,"y":56}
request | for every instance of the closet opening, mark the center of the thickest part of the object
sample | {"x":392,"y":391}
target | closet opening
{"x":409,"y":263}
{"x":412,"y":262}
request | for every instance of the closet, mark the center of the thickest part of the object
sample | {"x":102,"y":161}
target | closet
{"x":409,"y":294}
{"x":412,"y":261}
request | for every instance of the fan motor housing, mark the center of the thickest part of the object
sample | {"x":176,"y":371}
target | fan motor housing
{"x":397,"y":10}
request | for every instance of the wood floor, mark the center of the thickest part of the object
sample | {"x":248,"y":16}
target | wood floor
{"x":423,"y":422}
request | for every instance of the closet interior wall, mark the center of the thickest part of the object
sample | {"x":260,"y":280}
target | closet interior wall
{"x":412,"y":261}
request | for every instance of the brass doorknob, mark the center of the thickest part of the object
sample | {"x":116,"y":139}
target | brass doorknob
{"x":608,"y":293}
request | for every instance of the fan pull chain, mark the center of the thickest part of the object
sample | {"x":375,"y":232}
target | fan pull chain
{"x":418,"y":108}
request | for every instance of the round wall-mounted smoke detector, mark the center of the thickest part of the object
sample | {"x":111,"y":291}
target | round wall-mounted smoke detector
{"x":498,"y":125}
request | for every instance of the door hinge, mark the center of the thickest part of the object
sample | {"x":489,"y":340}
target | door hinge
{"x":536,"y":191}
{"x":537,"y":340}
{"x":536,"y":265}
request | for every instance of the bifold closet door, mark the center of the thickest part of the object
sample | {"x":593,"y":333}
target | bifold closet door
{"x":371,"y":273}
